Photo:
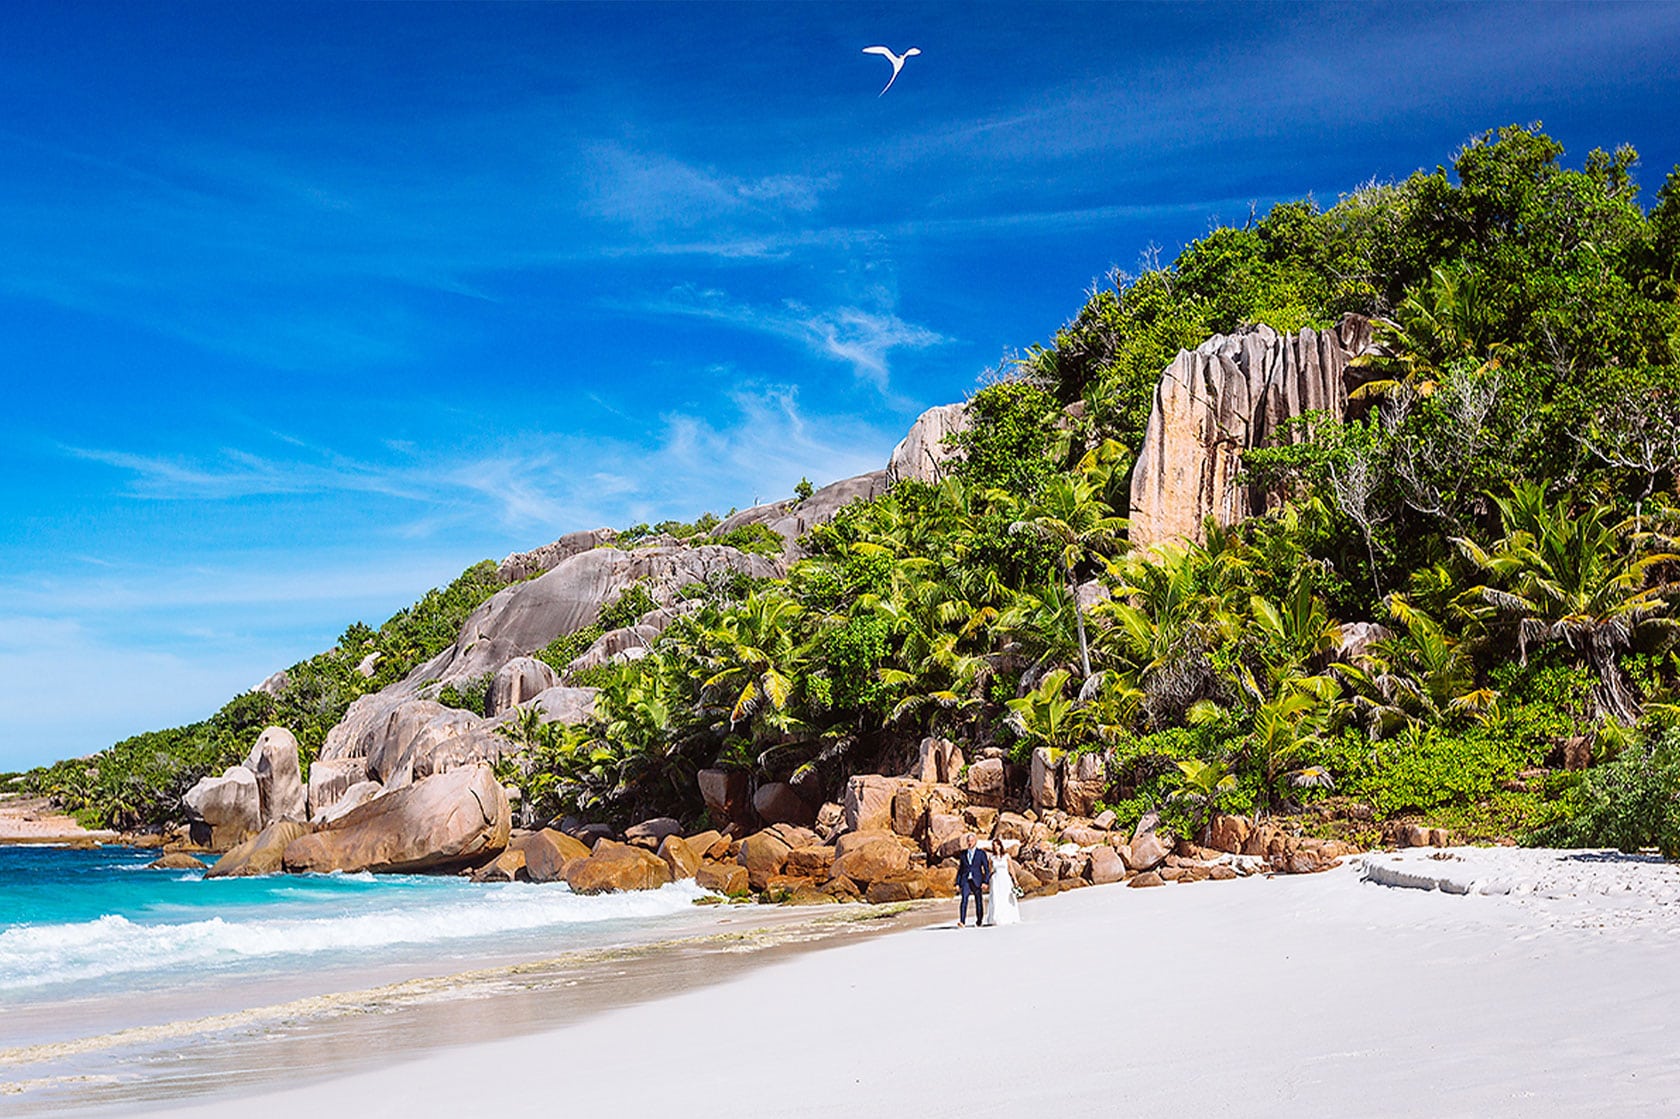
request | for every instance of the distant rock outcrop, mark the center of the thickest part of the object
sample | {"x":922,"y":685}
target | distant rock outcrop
{"x":523,"y":565}
{"x":274,"y":760}
{"x":1231,"y":393}
{"x":792,"y":519}
{"x":518,"y":680}
{"x":923,"y":453}
{"x":229,"y":805}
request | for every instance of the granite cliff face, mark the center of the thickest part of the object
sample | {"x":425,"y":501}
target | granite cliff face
{"x":1232,"y":393}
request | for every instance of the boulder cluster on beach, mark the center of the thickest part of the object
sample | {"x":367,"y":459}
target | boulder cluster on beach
{"x":889,"y":839}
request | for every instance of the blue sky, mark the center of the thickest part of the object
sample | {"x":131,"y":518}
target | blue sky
{"x":305,"y":308}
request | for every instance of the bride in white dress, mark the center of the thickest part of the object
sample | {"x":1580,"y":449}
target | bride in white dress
{"x":1005,"y":907}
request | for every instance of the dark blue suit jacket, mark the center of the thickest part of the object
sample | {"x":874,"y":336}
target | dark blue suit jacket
{"x":974,"y":869}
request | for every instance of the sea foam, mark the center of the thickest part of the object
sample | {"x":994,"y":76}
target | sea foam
{"x":35,"y":956}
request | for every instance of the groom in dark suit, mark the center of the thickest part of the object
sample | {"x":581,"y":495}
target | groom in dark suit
{"x":974,"y":877}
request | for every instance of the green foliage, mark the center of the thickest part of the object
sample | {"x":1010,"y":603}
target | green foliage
{"x":760,"y":539}
{"x":1630,"y":803}
{"x":804,"y":489}
{"x":1012,"y":443}
{"x":472,"y":695}
{"x":632,"y":602}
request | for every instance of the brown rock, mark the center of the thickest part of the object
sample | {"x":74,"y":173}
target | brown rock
{"x":441,"y":823}
{"x":177,"y":860}
{"x":230,"y":805}
{"x":505,"y":867}
{"x":1229,"y":833}
{"x":1221,"y":873}
{"x":901,"y":886}
{"x":1013,"y":826}
{"x":1106,"y":819}
{"x":1146,"y":852}
{"x":274,"y":760}
{"x":909,"y":808}
{"x":842,"y":889}
{"x":940,"y":762}
{"x":1084,"y":837}
{"x":1147,"y":878}
{"x":812,"y":862}
{"x":941,"y":882}
{"x":831,"y":821}
{"x":1084,"y":781}
{"x":617,"y":867}
{"x":1261,"y":840}
{"x":945,"y":835}
{"x":1044,"y":785}
{"x":261,"y":854}
{"x":865,"y":857}
{"x":1231,"y":393}
{"x":986,"y":782}
{"x":779,"y":886}
{"x":547,"y":852}
{"x":651,"y":833}
{"x":980,"y":820}
{"x":764,"y":854}
{"x":779,"y":803}
{"x":1170,"y":873}
{"x":702,"y":843}
{"x":1106,"y":866}
{"x":729,"y":879}
{"x":725,"y":792}
{"x":869,"y":803}
{"x":808,"y":895}
{"x":679,"y":857}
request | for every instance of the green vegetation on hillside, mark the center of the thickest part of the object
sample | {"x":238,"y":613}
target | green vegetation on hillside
{"x":1500,"y":501}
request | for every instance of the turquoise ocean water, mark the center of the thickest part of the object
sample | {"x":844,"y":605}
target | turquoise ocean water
{"x":96,"y":924}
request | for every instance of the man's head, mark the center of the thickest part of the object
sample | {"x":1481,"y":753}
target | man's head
{"x":970,"y":840}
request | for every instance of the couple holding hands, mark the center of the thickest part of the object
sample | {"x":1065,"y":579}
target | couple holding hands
{"x":980,"y":874}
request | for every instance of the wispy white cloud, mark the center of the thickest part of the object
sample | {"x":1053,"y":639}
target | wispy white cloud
{"x":862,"y":338}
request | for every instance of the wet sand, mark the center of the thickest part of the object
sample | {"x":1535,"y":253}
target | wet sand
{"x":319,"y":1037}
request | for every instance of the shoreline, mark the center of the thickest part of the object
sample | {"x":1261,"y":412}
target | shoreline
{"x":33,"y":820}
{"x":1315,"y":994}
{"x":319,"y":1037}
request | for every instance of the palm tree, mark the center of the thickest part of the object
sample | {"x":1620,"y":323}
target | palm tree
{"x":1070,"y":515}
{"x":1202,"y":785}
{"x":1572,"y":576}
{"x":1422,"y":673}
{"x":1435,"y":325}
{"x":751,"y":657}
{"x":1046,"y":715}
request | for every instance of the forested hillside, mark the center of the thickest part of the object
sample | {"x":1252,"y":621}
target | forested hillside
{"x":1492,"y":516}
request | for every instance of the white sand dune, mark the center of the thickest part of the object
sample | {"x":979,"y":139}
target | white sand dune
{"x":1316,"y":996}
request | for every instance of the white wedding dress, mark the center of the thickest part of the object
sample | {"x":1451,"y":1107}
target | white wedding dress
{"x":1003,"y":907}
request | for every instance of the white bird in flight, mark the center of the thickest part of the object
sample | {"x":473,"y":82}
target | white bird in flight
{"x":897,"y":61}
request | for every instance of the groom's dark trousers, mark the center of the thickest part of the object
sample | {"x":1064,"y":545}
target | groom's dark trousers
{"x":974,"y":870}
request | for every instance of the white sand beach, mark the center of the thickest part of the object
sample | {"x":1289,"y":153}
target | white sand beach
{"x":1320,"y":995}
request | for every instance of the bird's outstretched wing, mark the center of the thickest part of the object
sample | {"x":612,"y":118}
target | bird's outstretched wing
{"x":882,"y":51}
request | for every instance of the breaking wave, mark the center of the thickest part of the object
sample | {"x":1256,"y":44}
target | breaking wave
{"x":38,"y":955}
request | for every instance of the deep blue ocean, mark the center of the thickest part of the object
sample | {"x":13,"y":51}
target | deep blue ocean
{"x":98,"y":923}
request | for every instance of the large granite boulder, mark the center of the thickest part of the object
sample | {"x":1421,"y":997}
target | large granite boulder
{"x":869,"y":802}
{"x":616,"y":867}
{"x":526,"y":616}
{"x":1084,"y":781}
{"x":924,"y":452}
{"x":519,"y":680}
{"x":455,"y":819}
{"x":725,"y":792}
{"x":564,"y":705}
{"x":547,"y":852}
{"x":939,"y":761}
{"x":616,"y":646}
{"x":261,"y":854}
{"x":331,"y":778}
{"x":868,"y":855}
{"x":776,"y":802}
{"x":764,"y":854}
{"x":1044,"y":784}
{"x":354,"y":797}
{"x":230,"y":805}
{"x":274,"y":759}
{"x":1229,"y":394}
